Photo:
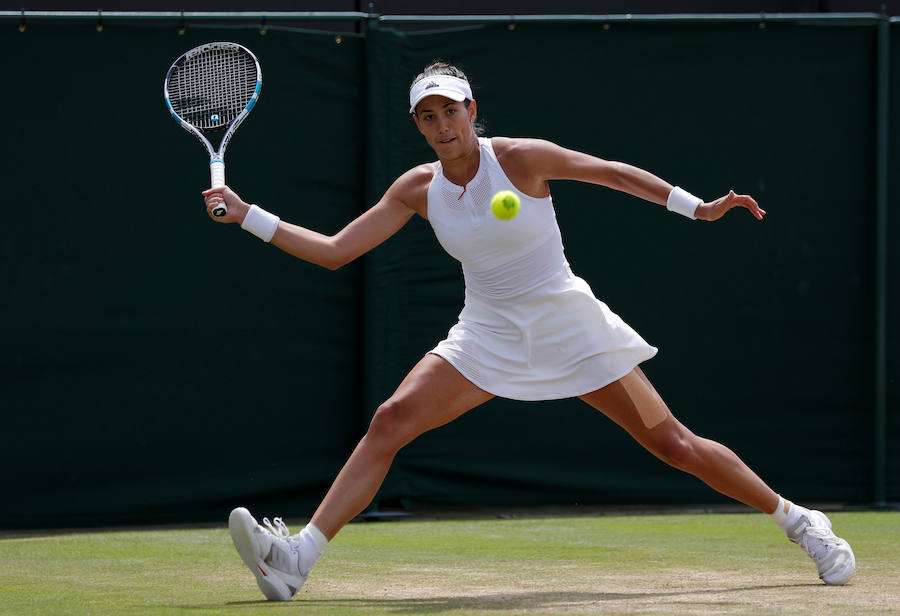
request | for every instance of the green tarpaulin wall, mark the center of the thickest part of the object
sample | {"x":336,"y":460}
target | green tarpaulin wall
{"x":157,"y":367}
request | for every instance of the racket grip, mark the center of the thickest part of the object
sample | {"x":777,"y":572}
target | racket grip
{"x":217,"y":179}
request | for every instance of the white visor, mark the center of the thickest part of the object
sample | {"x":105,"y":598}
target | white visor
{"x":453,"y":88}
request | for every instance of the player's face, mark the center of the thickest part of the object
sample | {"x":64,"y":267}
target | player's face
{"x":446,"y":125}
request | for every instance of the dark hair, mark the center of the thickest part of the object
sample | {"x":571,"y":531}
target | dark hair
{"x":443,"y":68}
{"x":439,"y":68}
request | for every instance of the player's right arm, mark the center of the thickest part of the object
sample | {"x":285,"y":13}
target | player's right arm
{"x":364,"y":233}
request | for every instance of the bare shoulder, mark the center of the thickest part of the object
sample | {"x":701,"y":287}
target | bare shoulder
{"x":420,"y":174}
{"x":412,"y":187}
{"x":527,"y":162}
{"x":525,"y":153}
{"x":517,"y":147}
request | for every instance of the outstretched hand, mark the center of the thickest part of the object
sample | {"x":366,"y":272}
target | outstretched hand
{"x":237,"y":209}
{"x":714,"y":210}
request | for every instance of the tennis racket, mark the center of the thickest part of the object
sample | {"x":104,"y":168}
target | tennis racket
{"x":211,"y":89}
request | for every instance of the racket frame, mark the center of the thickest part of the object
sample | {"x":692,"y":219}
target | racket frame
{"x":216,"y":157}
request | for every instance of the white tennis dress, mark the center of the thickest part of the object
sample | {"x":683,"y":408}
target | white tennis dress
{"x":530,"y":329}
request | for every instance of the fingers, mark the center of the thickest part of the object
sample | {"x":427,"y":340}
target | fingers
{"x":211,"y":191}
{"x":745,"y":201}
{"x":214,"y":197}
{"x":223,"y":195}
{"x":757,"y":211}
{"x":213,"y":200}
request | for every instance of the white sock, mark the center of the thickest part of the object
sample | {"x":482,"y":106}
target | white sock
{"x":778,"y":515}
{"x":789,"y":522}
{"x":314,"y":544}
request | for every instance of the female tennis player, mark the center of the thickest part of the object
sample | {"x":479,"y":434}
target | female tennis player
{"x":530,"y":329}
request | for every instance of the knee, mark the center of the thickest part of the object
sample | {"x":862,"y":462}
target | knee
{"x":392,"y":427}
{"x":681,"y":450}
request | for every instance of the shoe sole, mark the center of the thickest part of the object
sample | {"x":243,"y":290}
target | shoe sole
{"x":242,"y":525}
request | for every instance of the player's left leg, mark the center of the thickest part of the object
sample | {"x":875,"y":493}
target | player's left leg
{"x":634,"y":404}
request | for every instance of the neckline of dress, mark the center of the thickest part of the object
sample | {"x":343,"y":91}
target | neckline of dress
{"x":478,"y":174}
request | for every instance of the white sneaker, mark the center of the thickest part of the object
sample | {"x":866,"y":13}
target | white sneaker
{"x":832,"y":555}
{"x":272,"y":555}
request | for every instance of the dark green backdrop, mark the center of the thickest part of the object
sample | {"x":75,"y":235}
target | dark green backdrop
{"x":155,"y":366}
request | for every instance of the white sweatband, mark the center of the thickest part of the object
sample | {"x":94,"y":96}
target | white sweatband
{"x":260,"y":223}
{"x":682,"y":202}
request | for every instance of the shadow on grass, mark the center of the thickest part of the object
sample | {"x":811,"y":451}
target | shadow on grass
{"x":507,"y":601}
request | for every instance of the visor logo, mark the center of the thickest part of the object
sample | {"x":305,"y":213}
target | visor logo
{"x":432,"y":85}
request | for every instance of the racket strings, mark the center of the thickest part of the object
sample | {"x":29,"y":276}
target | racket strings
{"x":213,"y":88}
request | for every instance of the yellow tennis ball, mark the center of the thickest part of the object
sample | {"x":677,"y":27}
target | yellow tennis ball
{"x":505,"y":205}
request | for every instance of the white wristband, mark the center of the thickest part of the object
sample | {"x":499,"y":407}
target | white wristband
{"x":260,"y":223}
{"x":682,"y":202}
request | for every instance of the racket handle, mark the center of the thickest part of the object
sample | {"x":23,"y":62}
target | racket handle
{"x":217,"y":177}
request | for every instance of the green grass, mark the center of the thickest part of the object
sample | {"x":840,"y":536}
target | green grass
{"x":678,"y":564}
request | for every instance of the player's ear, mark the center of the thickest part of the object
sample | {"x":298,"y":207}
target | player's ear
{"x":473,"y":110}
{"x":415,"y":118}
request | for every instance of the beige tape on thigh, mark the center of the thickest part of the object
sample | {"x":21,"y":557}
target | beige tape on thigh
{"x":649,"y":405}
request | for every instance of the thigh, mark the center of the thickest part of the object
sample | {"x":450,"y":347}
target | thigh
{"x":634,"y":404}
{"x":432,"y":394}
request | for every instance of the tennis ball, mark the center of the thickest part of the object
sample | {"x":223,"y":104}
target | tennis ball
{"x":505,"y":205}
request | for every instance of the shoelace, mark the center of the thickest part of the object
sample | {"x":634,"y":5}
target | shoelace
{"x":279,"y":529}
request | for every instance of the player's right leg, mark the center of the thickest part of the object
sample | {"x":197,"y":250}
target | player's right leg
{"x":432,"y":394}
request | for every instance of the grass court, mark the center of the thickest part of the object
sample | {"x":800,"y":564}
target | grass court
{"x":634,"y":564}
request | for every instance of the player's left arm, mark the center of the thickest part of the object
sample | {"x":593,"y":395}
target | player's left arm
{"x":553,"y":162}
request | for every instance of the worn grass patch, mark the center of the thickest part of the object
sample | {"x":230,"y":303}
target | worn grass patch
{"x":676,"y":564}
